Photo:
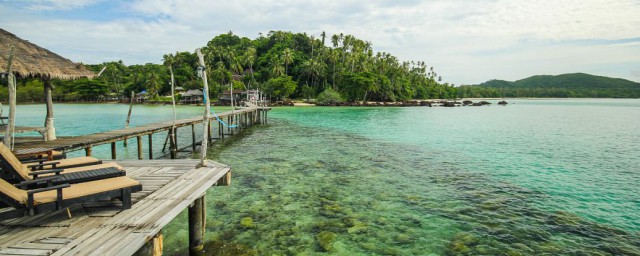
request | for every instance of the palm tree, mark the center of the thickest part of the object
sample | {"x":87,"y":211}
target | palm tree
{"x":313,"y":69}
{"x":153,"y":82}
{"x":249,"y":58}
{"x":277,"y":69}
{"x":335,"y":40}
{"x":235,"y":63}
{"x":287,"y":58}
{"x":333,"y":59}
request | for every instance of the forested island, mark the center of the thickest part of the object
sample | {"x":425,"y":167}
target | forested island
{"x":288,"y":65}
{"x":282,"y":64}
{"x":577,"y":85}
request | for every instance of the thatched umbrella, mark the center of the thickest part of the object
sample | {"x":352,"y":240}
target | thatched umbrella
{"x":30,"y":60}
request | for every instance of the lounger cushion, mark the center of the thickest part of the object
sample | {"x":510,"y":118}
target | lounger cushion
{"x":74,"y":191}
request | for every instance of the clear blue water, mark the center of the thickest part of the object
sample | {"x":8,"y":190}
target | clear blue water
{"x":81,"y":119}
{"x":534,"y":177}
{"x":554,"y":177}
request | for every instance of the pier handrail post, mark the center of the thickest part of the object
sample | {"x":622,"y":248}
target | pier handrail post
{"x":205,"y":123}
{"x":49,"y":120}
{"x":126,"y":123}
{"x":173,"y":103}
{"x":8,"y":138}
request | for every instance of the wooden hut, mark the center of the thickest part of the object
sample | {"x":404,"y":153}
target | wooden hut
{"x":30,"y":60}
{"x":194,"y":96}
{"x":227,"y":96}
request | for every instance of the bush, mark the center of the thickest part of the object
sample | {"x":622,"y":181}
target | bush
{"x":329,"y":96}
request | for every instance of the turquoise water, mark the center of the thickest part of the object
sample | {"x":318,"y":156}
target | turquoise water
{"x":81,"y":119}
{"x":534,"y":177}
{"x":554,"y":177}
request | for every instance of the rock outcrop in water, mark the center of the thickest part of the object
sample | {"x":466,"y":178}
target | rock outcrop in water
{"x":410,"y":103}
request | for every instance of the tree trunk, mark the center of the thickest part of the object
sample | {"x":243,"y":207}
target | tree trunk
{"x":8,"y":136}
{"x":48,"y":123}
{"x":205,"y":135}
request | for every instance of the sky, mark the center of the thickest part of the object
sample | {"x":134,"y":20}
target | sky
{"x":466,"y":41}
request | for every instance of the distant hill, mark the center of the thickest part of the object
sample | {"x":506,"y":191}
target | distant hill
{"x":574,"y":81}
{"x":578,"y":85}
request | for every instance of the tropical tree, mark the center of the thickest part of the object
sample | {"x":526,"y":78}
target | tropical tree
{"x":287,"y":59}
{"x":281,"y":87}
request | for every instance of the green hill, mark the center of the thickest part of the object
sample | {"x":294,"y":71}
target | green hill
{"x":561,"y":86}
{"x":576,"y":80}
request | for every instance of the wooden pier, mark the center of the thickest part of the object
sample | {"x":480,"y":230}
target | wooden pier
{"x":102,"y":228}
{"x":169,"y":187}
{"x":243,"y":118}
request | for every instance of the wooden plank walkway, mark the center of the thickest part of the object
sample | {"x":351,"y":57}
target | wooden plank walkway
{"x":87,"y":141}
{"x":169,"y":186}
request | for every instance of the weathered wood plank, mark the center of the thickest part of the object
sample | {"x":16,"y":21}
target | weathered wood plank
{"x":173,"y":188}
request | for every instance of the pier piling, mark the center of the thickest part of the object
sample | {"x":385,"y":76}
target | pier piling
{"x":196,"y":226}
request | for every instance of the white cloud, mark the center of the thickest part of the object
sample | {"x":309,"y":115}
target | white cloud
{"x":57,"y":5}
{"x":467,"y":41}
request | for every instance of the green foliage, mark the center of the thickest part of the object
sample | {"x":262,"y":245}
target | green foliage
{"x":237,"y":85}
{"x":31,"y":91}
{"x":349,"y":66}
{"x":577,"y":85}
{"x":308,"y":92}
{"x":281,"y":87}
{"x":329,"y":96}
{"x":356,"y":85}
{"x":90,"y":89}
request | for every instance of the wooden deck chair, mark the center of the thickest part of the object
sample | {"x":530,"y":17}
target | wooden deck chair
{"x":51,"y":198}
{"x":42,"y":164}
{"x":68,"y":175}
{"x":15,"y":171}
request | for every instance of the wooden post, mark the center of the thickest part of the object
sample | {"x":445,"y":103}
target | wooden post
{"x":151,"y":146}
{"x":153,"y":247}
{"x":8,"y":136}
{"x":139,"y":139}
{"x":225,"y":180}
{"x":48,"y":123}
{"x":113,"y":150}
{"x":87,"y":151}
{"x":207,"y":110}
{"x":209,"y":127}
{"x":220,"y":130}
{"x":193,"y":136}
{"x":172,"y":142}
{"x":126,"y":124}
{"x":196,"y":226}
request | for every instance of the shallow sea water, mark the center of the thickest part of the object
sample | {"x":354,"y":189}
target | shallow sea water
{"x":555,"y":177}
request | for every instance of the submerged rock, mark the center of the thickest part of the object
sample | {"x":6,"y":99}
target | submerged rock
{"x":226,"y":248}
{"x":358,"y":227}
{"x":247,"y":222}
{"x":326,"y":240}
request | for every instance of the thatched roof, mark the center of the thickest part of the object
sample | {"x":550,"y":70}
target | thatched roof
{"x":30,"y":60}
{"x":194,"y":92}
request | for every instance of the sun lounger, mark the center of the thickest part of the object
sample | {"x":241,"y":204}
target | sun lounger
{"x":42,"y":164}
{"x":56,"y":197}
{"x":15,"y":171}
